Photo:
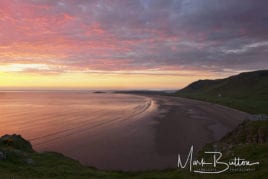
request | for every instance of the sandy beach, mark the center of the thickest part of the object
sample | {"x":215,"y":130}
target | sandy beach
{"x":116,"y":131}
{"x":187,"y":122}
{"x":154,"y":140}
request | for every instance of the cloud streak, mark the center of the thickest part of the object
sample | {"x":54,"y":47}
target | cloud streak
{"x":138,"y":35}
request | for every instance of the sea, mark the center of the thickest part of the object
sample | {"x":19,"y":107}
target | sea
{"x":104,"y":130}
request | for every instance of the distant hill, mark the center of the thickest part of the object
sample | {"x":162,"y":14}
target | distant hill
{"x":246,"y":91}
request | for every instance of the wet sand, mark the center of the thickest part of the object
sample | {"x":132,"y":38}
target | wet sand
{"x":130,"y":133}
{"x":187,"y":122}
{"x":155,"y":140}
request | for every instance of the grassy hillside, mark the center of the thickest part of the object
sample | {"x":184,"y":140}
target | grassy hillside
{"x":246,"y":91}
{"x":18,"y":160}
{"x":248,"y":141}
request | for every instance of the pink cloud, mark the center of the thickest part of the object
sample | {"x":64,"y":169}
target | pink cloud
{"x":128,"y":35}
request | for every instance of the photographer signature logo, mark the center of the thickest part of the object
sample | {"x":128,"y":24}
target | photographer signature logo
{"x":216,"y":166}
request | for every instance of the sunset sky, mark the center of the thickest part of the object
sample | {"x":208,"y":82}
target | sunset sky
{"x":129,"y":44}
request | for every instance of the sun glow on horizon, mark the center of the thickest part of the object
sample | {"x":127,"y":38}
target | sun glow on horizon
{"x":22,"y":67}
{"x":127,"y":44}
{"x":15,"y":79}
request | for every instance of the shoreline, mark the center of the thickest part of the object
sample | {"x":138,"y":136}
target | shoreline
{"x":49,"y":160}
{"x":155,"y":138}
{"x":206,"y":122}
{"x":186,"y":122}
{"x":167,"y":127}
{"x":149,"y":137}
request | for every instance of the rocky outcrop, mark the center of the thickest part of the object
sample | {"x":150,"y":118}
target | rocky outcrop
{"x":15,"y":142}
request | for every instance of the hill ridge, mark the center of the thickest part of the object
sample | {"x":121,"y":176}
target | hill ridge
{"x":247,"y":91}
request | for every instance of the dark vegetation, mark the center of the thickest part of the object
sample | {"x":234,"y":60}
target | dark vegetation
{"x":246,"y":91}
{"x":19,"y":160}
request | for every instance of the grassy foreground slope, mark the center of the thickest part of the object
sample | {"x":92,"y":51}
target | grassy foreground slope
{"x":246,"y":91}
{"x":18,"y":160}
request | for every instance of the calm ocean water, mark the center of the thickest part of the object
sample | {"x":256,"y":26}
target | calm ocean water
{"x":83,"y":125}
{"x":114,"y":131}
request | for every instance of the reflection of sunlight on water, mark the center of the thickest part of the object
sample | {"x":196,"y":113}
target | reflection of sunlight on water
{"x":48,"y":117}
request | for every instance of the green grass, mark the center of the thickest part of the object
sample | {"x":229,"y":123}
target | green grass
{"x":244,"y":142}
{"x":55,"y":165}
{"x":250,"y":105}
{"x":250,"y":152}
{"x":247,"y":91}
{"x":52,"y":165}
